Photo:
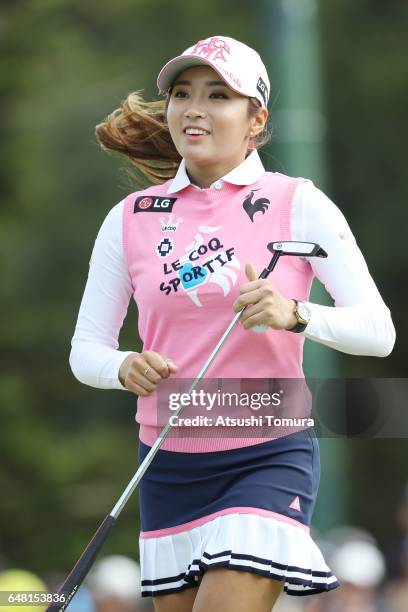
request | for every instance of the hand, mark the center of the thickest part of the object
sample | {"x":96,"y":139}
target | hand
{"x":266,"y":305}
{"x":142,"y":372}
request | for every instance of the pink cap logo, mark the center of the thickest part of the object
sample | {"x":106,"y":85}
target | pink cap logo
{"x":215,"y":46}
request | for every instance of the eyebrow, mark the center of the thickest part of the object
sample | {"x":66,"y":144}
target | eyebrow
{"x":210,"y":83}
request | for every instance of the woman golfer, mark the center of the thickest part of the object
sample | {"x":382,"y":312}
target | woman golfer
{"x":224,"y":520}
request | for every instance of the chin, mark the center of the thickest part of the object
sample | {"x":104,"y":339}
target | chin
{"x":199,"y":159}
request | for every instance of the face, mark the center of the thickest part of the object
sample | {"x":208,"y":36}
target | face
{"x":201,"y":99}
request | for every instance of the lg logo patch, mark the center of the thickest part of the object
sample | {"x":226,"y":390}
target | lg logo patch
{"x":153,"y":204}
{"x":263,"y":90}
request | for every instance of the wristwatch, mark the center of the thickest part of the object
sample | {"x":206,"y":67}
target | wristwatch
{"x":303,"y":314}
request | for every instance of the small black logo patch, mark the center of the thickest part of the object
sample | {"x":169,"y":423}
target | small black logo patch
{"x":165,"y":247}
{"x":260,"y":205}
{"x":153,"y":204}
{"x":263,"y":90}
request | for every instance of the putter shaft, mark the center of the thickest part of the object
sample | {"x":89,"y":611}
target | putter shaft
{"x":166,"y":430}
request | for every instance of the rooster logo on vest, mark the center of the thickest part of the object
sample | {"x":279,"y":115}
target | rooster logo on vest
{"x":260,"y":205}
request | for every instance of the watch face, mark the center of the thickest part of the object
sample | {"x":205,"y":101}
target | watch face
{"x":304,"y":311}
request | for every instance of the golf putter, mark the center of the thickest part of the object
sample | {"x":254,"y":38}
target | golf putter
{"x":79,"y":572}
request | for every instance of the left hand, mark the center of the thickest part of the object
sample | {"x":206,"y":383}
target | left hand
{"x":266,"y":305}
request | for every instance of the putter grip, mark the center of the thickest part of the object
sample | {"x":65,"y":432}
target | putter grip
{"x":74,"y":580}
{"x":265,"y":273}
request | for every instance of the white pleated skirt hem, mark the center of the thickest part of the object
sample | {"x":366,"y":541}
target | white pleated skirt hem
{"x":243,"y":542}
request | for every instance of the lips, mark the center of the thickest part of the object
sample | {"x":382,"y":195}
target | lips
{"x":195,"y":130}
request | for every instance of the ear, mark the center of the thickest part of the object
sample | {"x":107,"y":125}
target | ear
{"x":258,"y":121}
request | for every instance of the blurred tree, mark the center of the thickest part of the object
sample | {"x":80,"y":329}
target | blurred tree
{"x":67,"y":449}
{"x":364,"y":46}
{"x":63,"y":66}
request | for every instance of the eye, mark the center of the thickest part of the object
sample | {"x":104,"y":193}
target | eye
{"x":179,"y":94}
{"x":219,"y":94}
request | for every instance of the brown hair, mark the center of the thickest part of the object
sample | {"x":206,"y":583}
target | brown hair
{"x":139,"y":130}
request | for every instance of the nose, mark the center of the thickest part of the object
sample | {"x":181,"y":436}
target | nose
{"x":194,"y":111}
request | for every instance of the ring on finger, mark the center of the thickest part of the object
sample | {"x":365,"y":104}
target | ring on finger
{"x":146,"y":370}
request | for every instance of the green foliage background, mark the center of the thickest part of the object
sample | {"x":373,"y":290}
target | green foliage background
{"x":67,"y":450}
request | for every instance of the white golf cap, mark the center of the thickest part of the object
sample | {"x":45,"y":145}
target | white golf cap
{"x":237,"y":64}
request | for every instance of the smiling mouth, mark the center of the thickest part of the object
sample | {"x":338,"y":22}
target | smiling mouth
{"x":195,"y":132}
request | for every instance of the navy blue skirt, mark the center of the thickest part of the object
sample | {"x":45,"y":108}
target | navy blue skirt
{"x":247,"y":509}
{"x":280,"y":475}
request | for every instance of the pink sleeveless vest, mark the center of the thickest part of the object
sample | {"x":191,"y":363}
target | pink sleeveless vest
{"x":186,"y":255}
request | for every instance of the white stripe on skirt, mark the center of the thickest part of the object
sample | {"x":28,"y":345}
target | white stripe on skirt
{"x":247,"y":542}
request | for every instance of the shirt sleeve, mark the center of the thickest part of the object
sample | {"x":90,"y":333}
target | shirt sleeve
{"x":94,"y":358}
{"x":359,"y":323}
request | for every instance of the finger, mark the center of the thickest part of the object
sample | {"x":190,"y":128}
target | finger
{"x":142,"y":373}
{"x":256,"y":319}
{"x":158,"y":365}
{"x":169,"y":367}
{"x":136,"y":388}
{"x":251,"y":272}
{"x":248,"y":298}
{"x":145,"y":372}
{"x":252,"y":310}
{"x":172,"y":367}
{"x":251,"y":286}
{"x":143,"y":381}
{"x":260,"y":283}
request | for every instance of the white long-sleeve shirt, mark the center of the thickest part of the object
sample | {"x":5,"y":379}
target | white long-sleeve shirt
{"x":359,"y":323}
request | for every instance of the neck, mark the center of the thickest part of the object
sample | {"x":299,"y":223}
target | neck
{"x":205,"y":176}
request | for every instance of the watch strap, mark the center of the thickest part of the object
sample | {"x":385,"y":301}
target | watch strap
{"x":299,"y":327}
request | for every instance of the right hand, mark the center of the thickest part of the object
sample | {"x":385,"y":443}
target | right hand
{"x":142,"y":372}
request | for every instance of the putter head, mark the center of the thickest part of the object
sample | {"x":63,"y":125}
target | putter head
{"x":300,"y":249}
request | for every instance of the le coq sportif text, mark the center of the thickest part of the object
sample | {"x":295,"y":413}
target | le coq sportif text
{"x":198,"y":271}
